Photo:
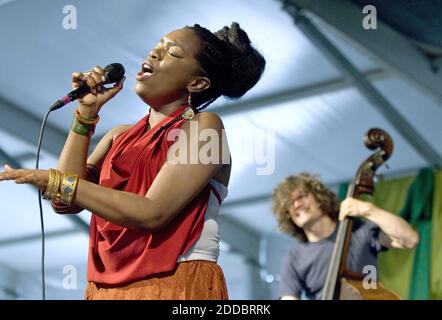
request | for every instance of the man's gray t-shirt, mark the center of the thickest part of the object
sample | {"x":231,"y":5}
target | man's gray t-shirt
{"x":304,"y":268}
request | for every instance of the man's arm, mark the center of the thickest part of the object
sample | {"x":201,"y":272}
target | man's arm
{"x":395,"y":231}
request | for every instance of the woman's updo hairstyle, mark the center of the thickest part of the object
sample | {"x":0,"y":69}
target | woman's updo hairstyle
{"x":229,"y":61}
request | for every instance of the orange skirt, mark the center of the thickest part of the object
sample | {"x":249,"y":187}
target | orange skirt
{"x":191,"y":280}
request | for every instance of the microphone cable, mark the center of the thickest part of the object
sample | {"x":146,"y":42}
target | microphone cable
{"x":37,"y":163}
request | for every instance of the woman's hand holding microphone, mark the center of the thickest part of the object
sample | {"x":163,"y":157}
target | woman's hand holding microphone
{"x":91,"y":103}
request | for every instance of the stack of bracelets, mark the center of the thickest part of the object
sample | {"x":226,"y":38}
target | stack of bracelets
{"x":84,"y":126}
{"x":60,"y":184}
{"x":63,"y":186}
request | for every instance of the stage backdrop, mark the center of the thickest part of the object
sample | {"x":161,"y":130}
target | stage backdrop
{"x":398,"y":269}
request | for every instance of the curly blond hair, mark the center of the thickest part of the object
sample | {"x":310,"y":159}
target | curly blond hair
{"x":282,"y":200}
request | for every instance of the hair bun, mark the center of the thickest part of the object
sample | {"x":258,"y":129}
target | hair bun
{"x":236,"y":37}
{"x":246,"y":63}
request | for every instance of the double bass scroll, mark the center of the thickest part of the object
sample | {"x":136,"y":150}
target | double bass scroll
{"x":341,"y":283}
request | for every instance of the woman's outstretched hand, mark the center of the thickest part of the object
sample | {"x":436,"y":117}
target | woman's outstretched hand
{"x":91,"y":103}
{"x":37,"y":178}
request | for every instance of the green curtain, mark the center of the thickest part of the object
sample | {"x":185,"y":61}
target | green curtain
{"x":404,"y":271}
{"x":436,"y":240}
{"x":396,"y":265}
{"x":417,"y":210}
{"x":342,"y":192}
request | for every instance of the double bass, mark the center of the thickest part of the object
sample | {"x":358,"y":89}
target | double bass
{"x":341,"y":283}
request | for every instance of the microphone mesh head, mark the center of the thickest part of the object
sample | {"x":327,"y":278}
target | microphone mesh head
{"x":114,"y":72}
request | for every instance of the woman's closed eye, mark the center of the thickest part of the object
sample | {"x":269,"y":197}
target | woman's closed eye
{"x":171,"y":51}
{"x":174,"y":54}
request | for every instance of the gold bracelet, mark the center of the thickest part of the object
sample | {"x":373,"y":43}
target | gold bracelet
{"x":58,"y":178}
{"x":86,"y":120}
{"x":49,"y":187}
{"x":53,"y":185}
{"x":68,"y":187}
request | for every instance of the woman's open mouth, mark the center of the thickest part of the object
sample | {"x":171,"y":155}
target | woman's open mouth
{"x":146,"y":72}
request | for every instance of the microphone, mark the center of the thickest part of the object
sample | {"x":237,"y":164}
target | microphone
{"x":114,"y":73}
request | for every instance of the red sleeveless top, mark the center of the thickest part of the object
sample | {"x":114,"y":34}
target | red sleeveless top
{"x":118,"y":255}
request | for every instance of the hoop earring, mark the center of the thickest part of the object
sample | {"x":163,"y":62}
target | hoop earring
{"x":188,"y":112}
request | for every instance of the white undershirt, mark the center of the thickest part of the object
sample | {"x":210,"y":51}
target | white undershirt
{"x":207,"y":246}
